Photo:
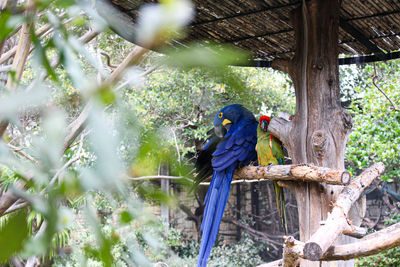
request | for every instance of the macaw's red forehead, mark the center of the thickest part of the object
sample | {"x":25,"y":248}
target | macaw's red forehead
{"x":265,"y":118}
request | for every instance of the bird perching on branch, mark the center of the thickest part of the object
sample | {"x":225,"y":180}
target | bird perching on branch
{"x":232,"y":146}
{"x":270,"y":152}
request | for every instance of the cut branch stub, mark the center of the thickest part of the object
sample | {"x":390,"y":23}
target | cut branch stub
{"x":337,"y":222}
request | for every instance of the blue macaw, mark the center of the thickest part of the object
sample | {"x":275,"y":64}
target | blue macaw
{"x":232,"y":146}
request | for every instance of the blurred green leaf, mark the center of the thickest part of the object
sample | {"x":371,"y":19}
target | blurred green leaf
{"x":125,"y":217}
{"x":13,"y":235}
{"x":206,"y":56}
{"x":8,"y":23}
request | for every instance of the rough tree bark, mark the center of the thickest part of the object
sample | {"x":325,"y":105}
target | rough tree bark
{"x":319,"y":130}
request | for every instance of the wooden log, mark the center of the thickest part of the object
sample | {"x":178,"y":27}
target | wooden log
{"x":337,"y":222}
{"x":383,"y":231}
{"x":369,"y":245}
{"x":302,"y":172}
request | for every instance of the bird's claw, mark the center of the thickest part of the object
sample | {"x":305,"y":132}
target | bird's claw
{"x":269,"y":167}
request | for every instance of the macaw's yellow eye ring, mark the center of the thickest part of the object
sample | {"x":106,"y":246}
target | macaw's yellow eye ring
{"x":220,"y":115}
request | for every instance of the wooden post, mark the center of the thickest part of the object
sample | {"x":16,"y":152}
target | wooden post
{"x":319,"y":130}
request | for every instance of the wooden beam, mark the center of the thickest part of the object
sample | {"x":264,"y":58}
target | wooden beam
{"x":360,"y":37}
{"x":342,"y":61}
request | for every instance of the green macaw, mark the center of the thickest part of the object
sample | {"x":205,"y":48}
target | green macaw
{"x":270,"y":152}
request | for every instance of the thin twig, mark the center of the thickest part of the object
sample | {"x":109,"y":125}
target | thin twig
{"x":146,"y":72}
{"x":16,"y":207}
{"x":72,"y":160}
{"x":150,"y":177}
{"x":176,"y":146}
{"x":5,"y":68}
{"x":20,"y":151}
{"x":19,"y":204}
{"x":380,"y":90}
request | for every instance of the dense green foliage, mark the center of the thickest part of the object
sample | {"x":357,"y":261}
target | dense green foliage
{"x":376,"y":131}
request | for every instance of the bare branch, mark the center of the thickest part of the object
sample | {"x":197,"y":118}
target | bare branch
{"x":146,"y":72}
{"x":369,"y":245}
{"x":41,"y":32}
{"x":380,"y":90}
{"x":5,"y":68}
{"x":87,"y":37}
{"x":151,"y":177}
{"x":72,"y":160}
{"x":22,"y":52}
{"x":9,"y":198}
{"x":22,"y":153}
{"x":103,"y":53}
{"x":76,"y":127}
{"x":254,"y":232}
{"x":16,"y":206}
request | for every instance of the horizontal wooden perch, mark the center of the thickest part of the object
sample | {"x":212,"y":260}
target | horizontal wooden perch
{"x":337,"y":221}
{"x":369,"y":245}
{"x":302,"y":172}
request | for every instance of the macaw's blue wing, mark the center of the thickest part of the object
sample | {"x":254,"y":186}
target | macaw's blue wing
{"x":203,"y":163}
{"x":237,"y":148}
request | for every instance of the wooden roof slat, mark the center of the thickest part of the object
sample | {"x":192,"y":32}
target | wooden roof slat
{"x":382,"y":14}
{"x":259,"y":36}
{"x":248,"y":13}
{"x":263,"y":27}
{"x":359,"y":36}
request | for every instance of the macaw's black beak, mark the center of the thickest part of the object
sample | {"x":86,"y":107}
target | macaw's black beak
{"x":264,"y":125}
{"x":221,"y":129}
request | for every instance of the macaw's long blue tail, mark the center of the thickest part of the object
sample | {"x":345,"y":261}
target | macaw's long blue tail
{"x":216,"y":198}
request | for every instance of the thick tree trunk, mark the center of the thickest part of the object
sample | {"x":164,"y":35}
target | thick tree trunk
{"x":319,"y":130}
